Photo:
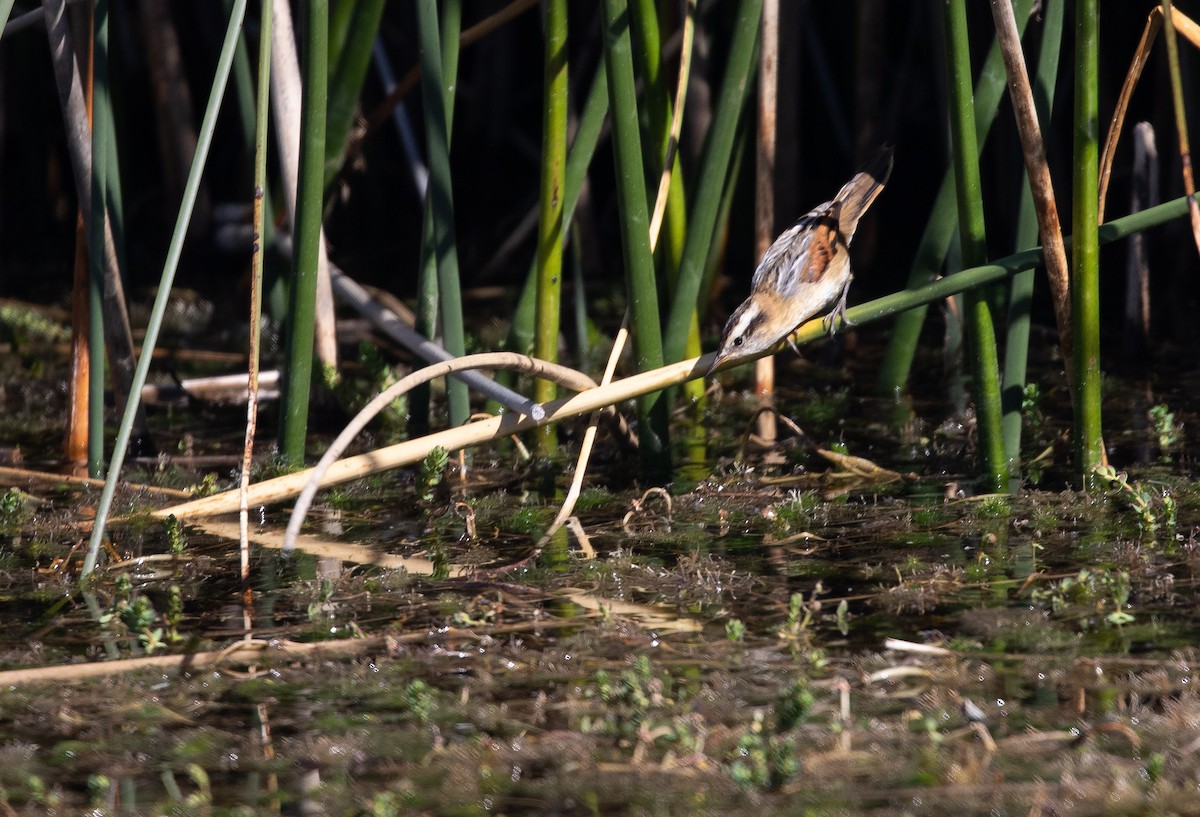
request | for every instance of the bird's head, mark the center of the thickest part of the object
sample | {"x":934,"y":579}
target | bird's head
{"x":751,"y":329}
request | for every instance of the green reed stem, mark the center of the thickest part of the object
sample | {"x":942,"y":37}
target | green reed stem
{"x":648,"y":48}
{"x":439,"y":61}
{"x":1085,"y":257}
{"x":653,"y":414}
{"x":174,"y":251}
{"x":427,"y":283}
{"x":310,"y":190}
{"x":980,"y":331}
{"x":246,"y":93}
{"x":550,"y":222}
{"x":579,"y":157}
{"x":1020,"y":300}
{"x":935,"y":241}
{"x":713,"y":175}
{"x":353,"y":56}
{"x":95,"y":237}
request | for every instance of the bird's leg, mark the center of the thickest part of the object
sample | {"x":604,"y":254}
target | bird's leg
{"x":838,"y":311}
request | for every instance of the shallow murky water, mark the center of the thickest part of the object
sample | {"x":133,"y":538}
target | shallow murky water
{"x":798,"y":636}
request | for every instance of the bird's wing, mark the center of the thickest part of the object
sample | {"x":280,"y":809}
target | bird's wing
{"x":801,"y":254}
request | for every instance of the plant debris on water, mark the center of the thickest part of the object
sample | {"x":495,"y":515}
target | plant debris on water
{"x":847,"y":632}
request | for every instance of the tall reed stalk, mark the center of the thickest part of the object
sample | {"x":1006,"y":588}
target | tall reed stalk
{"x":981,"y":333}
{"x":258,"y":252}
{"x":170,"y":265}
{"x":439,"y":67}
{"x":550,"y":222}
{"x":579,"y":157}
{"x":350,"y":50}
{"x":1020,"y":299}
{"x":1178,"y":102}
{"x":657,"y":103}
{"x":712,"y":177}
{"x":307,"y":240}
{"x":1085,"y":258}
{"x":653,"y":411}
{"x":935,"y":240}
{"x":99,"y":110}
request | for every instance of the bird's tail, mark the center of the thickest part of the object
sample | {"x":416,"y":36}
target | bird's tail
{"x":858,"y":193}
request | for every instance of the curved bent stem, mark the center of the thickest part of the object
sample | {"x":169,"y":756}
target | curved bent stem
{"x":490,"y":360}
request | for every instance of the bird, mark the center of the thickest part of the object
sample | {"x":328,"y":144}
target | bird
{"x":806,"y":270}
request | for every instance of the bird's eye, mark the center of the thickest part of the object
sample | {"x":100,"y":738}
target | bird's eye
{"x":737,"y":341}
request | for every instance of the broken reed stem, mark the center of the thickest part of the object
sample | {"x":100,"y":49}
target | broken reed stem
{"x":1183,"y":25}
{"x":1181,"y":128}
{"x":1136,"y":66}
{"x":253,"y":652}
{"x":1034,"y":150}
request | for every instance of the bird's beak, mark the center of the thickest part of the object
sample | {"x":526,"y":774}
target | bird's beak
{"x":712,"y":367}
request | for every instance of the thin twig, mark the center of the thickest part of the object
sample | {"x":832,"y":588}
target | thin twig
{"x":256,"y":282}
{"x":13,"y":475}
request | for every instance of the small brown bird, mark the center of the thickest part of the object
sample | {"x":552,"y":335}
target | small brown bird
{"x":806,"y":270}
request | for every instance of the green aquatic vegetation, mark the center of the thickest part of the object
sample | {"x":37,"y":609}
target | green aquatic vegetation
{"x":1031,"y":411}
{"x":322,"y":607}
{"x":594,"y":498}
{"x":16,"y":508}
{"x":376,"y":376}
{"x":1154,"y":509}
{"x":528,"y":520}
{"x":796,"y":631}
{"x":794,"y":704}
{"x":429,"y":475}
{"x":799,"y":511}
{"x":761,"y":759}
{"x":135,"y":613}
{"x":1166,"y":429}
{"x":642,"y":707}
{"x":1093,"y":597}
{"x":823,"y":410}
{"x":994,"y":506}
{"x":176,"y":540}
{"x":21,"y":325}
{"x":173,"y":617}
{"x":931,"y":516}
